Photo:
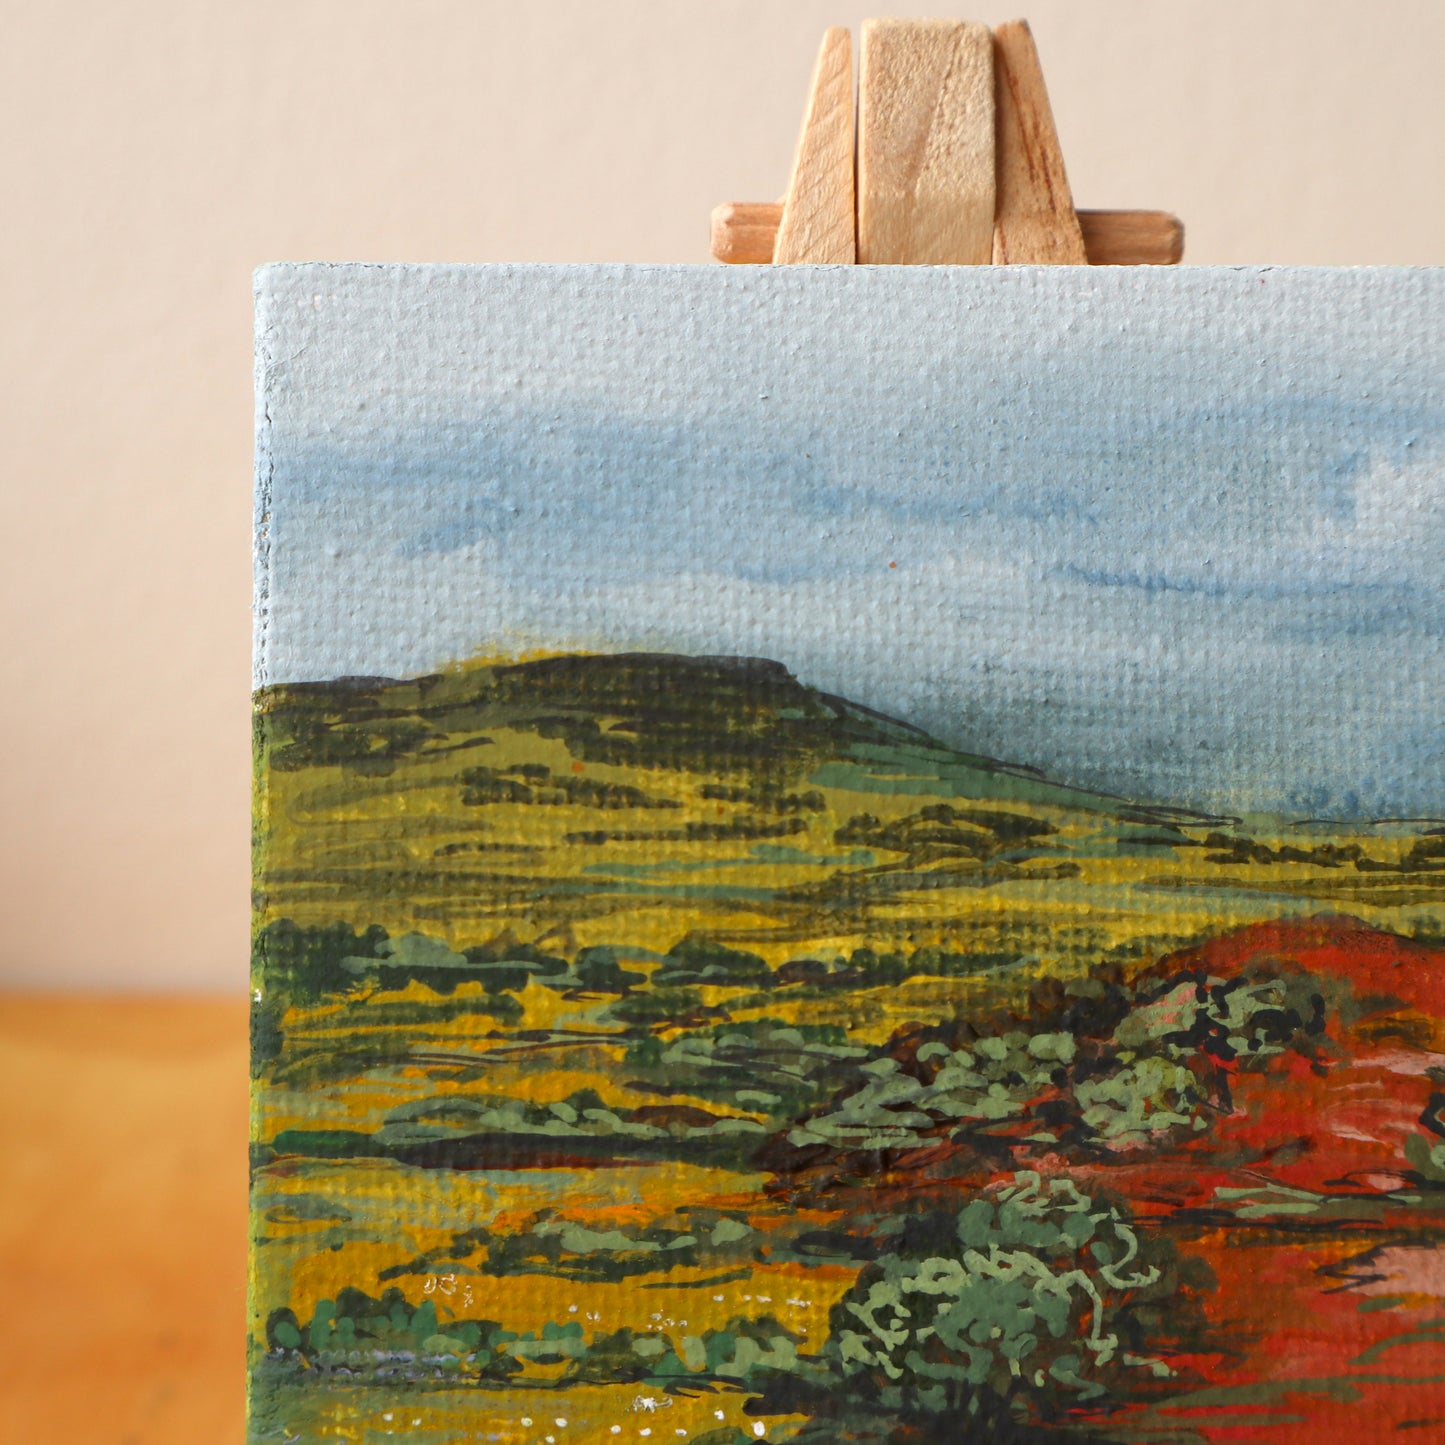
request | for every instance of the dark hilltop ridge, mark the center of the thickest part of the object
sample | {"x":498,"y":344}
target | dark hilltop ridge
{"x":653,"y":710}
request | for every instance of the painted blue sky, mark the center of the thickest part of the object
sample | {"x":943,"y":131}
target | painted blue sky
{"x":1177,"y":534}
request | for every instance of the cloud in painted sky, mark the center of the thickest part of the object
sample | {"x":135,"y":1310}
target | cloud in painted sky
{"x":1175,"y":534}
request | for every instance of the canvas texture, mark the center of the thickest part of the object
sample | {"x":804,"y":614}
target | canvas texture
{"x":848,"y":854}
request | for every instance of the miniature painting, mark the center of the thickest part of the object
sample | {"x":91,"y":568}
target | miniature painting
{"x":849,"y":854}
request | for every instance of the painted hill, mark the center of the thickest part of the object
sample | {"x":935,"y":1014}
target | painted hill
{"x":639,"y":798}
{"x":702,"y":715}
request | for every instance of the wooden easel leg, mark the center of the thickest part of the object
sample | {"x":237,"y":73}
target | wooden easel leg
{"x":1034,"y":220}
{"x":818,"y":221}
{"x":958,"y":163}
{"x":925,"y":143}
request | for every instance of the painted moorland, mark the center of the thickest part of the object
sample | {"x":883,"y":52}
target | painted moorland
{"x":655,"y":1047}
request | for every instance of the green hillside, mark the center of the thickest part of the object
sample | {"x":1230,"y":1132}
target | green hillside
{"x":703,"y":715}
{"x":639,"y":798}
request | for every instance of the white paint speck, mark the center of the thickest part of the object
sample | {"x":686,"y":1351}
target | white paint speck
{"x":759,"y":1429}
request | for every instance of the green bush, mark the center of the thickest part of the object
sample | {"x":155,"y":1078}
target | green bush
{"x":388,"y":1336}
{"x":1003,"y":1310}
{"x":701,"y":961}
{"x":744,"y":1352}
{"x":306,"y":964}
{"x":676,"y":1006}
{"x":598,"y":970}
{"x":900,"y":1107}
{"x":765,"y":1065}
{"x":1132,"y":1073}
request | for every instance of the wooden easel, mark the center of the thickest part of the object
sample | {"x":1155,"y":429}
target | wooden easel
{"x":953,"y":160}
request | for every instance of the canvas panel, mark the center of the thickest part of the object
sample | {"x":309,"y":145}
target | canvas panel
{"x":848,"y":854}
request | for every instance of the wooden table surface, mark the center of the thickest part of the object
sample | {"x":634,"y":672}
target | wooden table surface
{"x":122,"y":1219}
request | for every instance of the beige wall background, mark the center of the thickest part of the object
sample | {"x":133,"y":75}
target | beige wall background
{"x":153,"y":153}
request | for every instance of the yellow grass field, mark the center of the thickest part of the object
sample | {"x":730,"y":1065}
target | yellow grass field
{"x":501,"y":833}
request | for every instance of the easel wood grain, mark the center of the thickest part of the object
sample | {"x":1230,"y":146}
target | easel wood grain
{"x":925,"y":143}
{"x":743,"y":232}
{"x":958,"y":162}
{"x":818,"y":218}
{"x":1034,"y":221}
{"x":1132,"y":238}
